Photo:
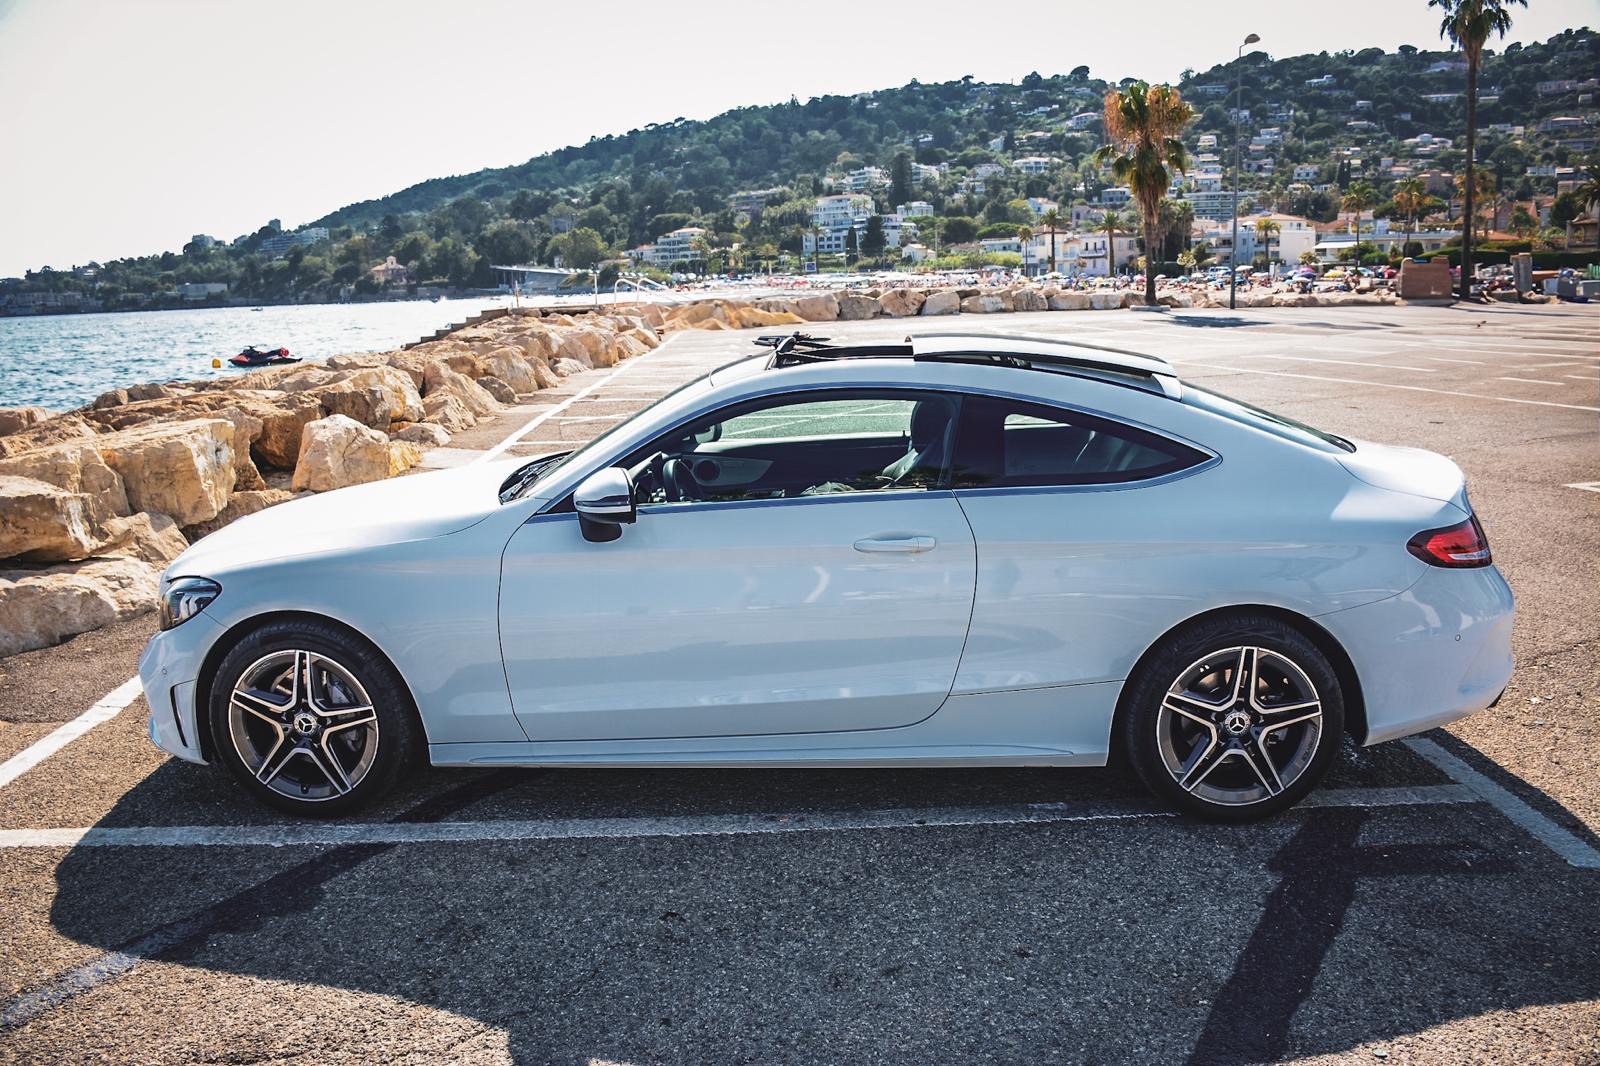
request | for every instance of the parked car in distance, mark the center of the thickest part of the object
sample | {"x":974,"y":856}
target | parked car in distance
{"x":961,"y":550}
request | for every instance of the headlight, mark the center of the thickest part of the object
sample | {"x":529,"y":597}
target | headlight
{"x":186,"y":597}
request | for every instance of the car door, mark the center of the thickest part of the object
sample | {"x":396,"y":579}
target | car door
{"x":776,"y":581}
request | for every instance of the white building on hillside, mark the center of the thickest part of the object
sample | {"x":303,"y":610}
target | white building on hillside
{"x":837,"y":212}
{"x":1036,"y":164}
{"x":914,"y":209}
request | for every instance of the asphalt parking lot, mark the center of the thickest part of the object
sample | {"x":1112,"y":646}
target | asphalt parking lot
{"x":1438,"y":901}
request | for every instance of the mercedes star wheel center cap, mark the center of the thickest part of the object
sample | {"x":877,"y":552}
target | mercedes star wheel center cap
{"x":305,"y":723}
{"x":1236,"y":722}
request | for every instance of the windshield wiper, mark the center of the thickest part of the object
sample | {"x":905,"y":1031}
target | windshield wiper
{"x":524,"y":476}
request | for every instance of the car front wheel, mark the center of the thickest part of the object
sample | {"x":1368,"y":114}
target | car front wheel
{"x":1235,"y":719}
{"x":312,"y":720}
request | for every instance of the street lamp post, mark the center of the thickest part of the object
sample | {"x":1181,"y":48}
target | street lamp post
{"x":1233,"y":252}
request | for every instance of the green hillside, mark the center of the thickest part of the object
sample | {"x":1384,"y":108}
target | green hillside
{"x":584,"y":202}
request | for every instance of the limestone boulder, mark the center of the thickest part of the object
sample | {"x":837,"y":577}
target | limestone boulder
{"x":110,"y":398}
{"x":448,"y":411}
{"x":373,"y":396}
{"x":150,"y":537}
{"x":1028,"y":300}
{"x":337,"y":451}
{"x":50,"y":431}
{"x":155,"y":390}
{"x":40,"y":522}
{"x":441,"y":378}
{"x":1107,"y":301}
{"x":424,"y":434}
{"x":182,"y":469}
{"x":945,"y":302}
{"x":1069,"y":301}
{"x":278,"y":446}
{"x":403,"y":455}
{"x":13,"y":419}
{"x":512,"y":367}
{"x":853,"y":308}
{"x":823,"y":308}
{"x":567,"y":367}
{"x":39,"y":608}
{"x":498,"y":389}
{"x":77,"y":467}
{"x":988,"y":304}
{"x":240,"y":504}
{"x":246,"y":431}
{"x":901,"y":303}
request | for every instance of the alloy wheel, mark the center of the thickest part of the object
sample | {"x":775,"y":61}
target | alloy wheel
{"x":1239,"y":726}
{"x":303,"y":725}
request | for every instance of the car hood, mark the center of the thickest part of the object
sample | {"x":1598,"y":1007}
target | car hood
{"x":401,"y":509}
{"x":1410,"y":470}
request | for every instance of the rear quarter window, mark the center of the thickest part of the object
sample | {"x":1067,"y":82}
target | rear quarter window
{"x":1260,"y":418}
{"x":1006,"y":443}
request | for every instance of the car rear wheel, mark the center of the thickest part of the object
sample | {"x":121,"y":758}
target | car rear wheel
{"x":312,"y":720}
{"x":1235,"y":719}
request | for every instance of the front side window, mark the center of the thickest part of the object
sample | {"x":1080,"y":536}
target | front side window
{"x":782,"y":447}
{"x":1009,"y":443}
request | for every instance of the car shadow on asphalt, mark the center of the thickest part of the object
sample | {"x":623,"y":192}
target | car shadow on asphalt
{"x":1144,"y":940}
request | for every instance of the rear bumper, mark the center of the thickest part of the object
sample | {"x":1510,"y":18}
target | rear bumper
{"x":1437,"y":652}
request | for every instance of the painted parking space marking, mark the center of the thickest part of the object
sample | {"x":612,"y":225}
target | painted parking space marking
{"x":1575,"y":851}
{"x":544,"y":416}
{"x":1531,"y":381}
{"x":1342,"y":362}
{"x":704,"y":825}
{"x":1395,"y":385}
{"x":104,"y":709}
{"x":1586,"y":486}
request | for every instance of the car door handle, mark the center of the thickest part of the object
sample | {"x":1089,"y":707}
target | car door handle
{"x":909,"y":545}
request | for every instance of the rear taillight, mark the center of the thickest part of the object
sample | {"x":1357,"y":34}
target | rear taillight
{"x":1459,"y":546}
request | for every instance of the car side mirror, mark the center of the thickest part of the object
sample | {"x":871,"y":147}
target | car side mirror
{"x":604,"y":502}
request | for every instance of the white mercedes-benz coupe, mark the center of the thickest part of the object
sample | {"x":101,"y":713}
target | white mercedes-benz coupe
{"x":962,"y":550}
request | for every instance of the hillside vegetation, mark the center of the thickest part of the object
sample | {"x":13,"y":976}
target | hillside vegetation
{"x":586,"y":202}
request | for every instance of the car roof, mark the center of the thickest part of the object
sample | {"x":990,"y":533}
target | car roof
{"x":1116,"y":366}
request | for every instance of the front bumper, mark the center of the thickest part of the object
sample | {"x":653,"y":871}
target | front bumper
{"x":1437,"y":652}
{"x":169,"y":670}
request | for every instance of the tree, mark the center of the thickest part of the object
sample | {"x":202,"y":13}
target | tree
{"x":1051,"y":221}
{"x":1588,"y":191}
{"x":1411,"y":201}
{"x":1308,"y":259}
{"x":1143,"y":124}
{"x":1024,"y":238}
{"x":1483,"y":192}
{"x":849,"y":245}
{"x":1467,"y":24}
{"x":1523,"y":224}
{"x":900,"y":180}
{"x":959,"y":229}
{"x":1265,"y":228}
{"x":873,"y":241}
{"x":1357,"y":198}
{"x":1111,"y":221}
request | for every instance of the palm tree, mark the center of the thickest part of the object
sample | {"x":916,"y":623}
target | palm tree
{"x":1051,"y":221}
{"x":1411,"y":199}
{"x":1588,"y":193}
{"x":1111,"y":222}
{"x":1202,"y":253}
{"x":1142,"y":127}
{"x":1308,"y":259}
{"x":1024,"y":238}
{"x":1357,"y":198}
{"x":1483,"y":192}
{"x":1467,"y":24}
{"x":1265,"y":228}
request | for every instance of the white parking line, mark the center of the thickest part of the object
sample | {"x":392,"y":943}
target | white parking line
{"x":544,"y":416}
{"x":1393,"y":385}
{"x":1341,"y":362}
{"x":1586,"y":486}
{"x":107,"y":708}
{"x":703,"y":825}
{"x":1575,"y":851}
{"x":1531,"y":381}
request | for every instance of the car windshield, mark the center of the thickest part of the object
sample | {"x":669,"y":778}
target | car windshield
{"x":1251,"y":415}
{"x":524,"y":478}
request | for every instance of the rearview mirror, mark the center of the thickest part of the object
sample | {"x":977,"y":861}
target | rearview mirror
{"x":604,"y":502}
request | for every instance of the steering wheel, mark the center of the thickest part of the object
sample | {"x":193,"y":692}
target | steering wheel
{"x":678,"y":481}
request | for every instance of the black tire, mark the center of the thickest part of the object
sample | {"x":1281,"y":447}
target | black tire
{"x":1225,"y":785}
{"x":353,"y":676}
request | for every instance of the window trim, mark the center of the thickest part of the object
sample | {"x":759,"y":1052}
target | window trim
{"x":1209,"y":457}
{"x":818,"y":393}
{"x":563,"y":503}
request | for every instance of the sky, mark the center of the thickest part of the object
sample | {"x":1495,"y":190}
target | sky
{"x":126,"y":127}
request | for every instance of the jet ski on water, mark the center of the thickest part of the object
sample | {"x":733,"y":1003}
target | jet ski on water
{"x":254,"y":357}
